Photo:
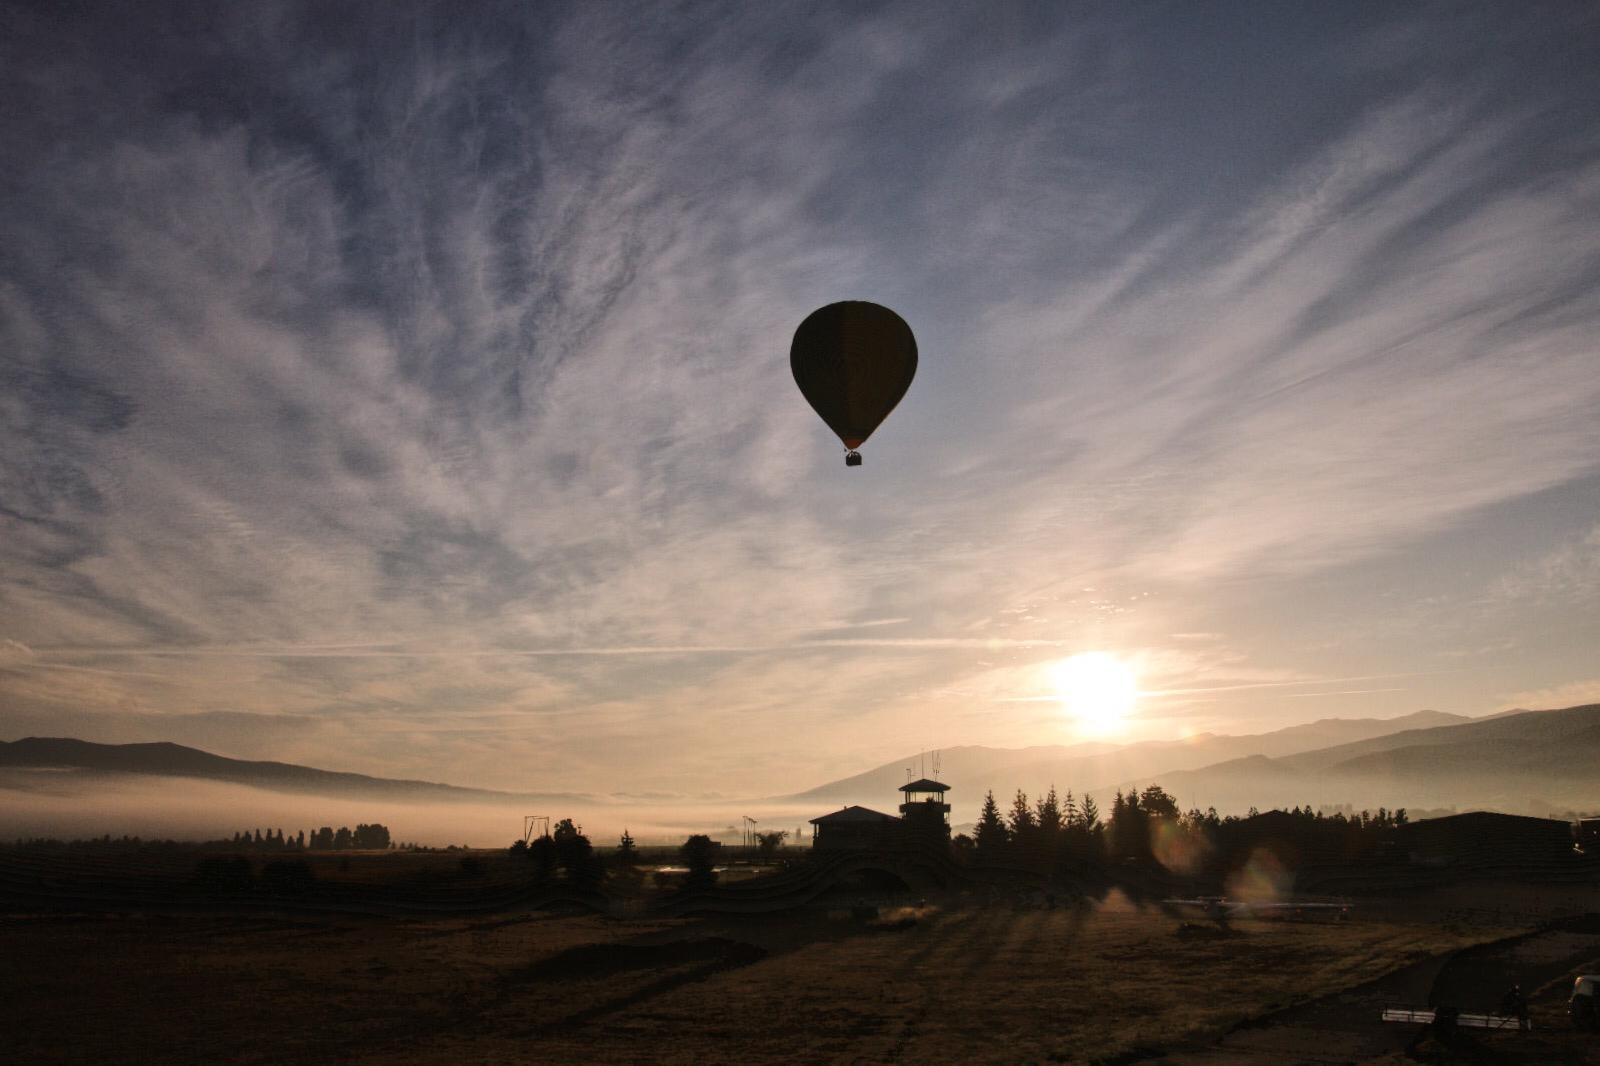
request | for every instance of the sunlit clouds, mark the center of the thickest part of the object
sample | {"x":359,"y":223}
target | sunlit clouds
{"x":403,"y":391}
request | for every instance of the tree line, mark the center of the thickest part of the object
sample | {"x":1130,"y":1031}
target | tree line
{"x":363,"y":837}
{"x":1063,"y":831}
{"x":567,"y":856}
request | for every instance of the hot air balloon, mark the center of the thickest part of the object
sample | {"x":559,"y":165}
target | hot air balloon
{"x":853,"y":362}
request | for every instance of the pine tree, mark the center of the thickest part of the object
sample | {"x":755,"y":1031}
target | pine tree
{"x":990,"y":833}
{"x":627,"y":853}
{"x":1089,"y":814}
{"x":1130,"y":828}
{"x":1087,"y":838}
{"x":1047,"y":831}
{"x":1021,"y":819}
{"x":1048,"y":814}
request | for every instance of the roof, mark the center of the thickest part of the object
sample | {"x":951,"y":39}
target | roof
{"x":853,"y":814}
{"x":925,"y":785}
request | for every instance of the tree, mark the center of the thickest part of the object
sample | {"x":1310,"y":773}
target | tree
{"x":1130,"y":830}
{"x":769,"y":843}
{"x":343,"y":839}
{"x":375,"y":837}
{"x":990,"y":833}
{"x":699,"y":855}
{"x":1156,"y":803}
{"x":627,"y":853}
{"x":542,"y":852}
{"x":575,"y":855}
{"x":1048,"y":814}
{"x":1089,"y":815}
{"x":1021,"y":820}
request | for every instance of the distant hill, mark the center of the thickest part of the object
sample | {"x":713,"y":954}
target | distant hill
{"x":971,"y":771}
{"x":1528,"y":761}
{"x":175,"y":760}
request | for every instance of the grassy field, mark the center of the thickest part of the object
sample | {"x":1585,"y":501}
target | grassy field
{"x":941,"y":984}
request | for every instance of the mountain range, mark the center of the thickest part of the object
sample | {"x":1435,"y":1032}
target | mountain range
{"x":1097,"y":767}
{"x":1526,"y":762}
{"x":164,"y":759}
{"x":1518,"y":762}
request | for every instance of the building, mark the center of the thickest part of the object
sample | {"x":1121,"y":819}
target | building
{"x":923,"y":816}
{"x":854,"y":828}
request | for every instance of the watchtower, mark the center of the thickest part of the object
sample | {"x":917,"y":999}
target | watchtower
{"x":925,"y":813}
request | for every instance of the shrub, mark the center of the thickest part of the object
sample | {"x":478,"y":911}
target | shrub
{"x":699,"y":855}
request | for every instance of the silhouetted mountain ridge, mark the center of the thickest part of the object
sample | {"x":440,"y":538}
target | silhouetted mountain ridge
{"x":166,"y":759}
{"x":972,"y":770}
{"x":1529,"y":761}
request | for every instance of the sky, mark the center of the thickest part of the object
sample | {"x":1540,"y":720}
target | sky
{"x":404,"y":388}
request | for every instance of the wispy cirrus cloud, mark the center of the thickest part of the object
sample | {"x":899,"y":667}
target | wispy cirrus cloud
{"x":1570,"y":694}
{"x":389,"y":370}
{"x":1569,"y":573}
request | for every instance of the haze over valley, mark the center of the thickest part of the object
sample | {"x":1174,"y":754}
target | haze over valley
{"x":1534,"y":762}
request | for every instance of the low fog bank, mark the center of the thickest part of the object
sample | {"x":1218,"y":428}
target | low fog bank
{"x":66,"y":804}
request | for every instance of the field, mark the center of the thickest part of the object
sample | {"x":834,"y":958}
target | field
{"x":936,"y":983}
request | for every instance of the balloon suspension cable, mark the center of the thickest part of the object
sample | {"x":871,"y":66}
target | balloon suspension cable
{"x":852,"y":458}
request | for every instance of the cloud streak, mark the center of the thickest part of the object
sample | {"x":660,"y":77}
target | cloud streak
{"x":388,"y":369}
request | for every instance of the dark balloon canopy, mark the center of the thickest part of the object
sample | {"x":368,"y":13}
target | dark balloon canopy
{"x":853,"y":362}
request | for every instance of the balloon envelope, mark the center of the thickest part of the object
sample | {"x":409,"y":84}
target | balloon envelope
{"x":853,"y":362}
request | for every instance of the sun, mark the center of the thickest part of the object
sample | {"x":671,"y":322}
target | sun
{"x":1097,"y":689}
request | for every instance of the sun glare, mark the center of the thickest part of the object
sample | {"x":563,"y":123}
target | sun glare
{"x":1097,"y":689}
